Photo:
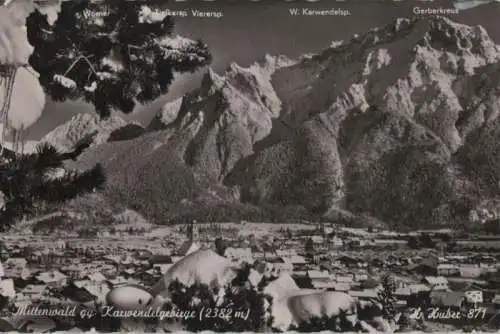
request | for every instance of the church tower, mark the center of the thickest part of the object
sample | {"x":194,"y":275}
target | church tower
{"x":192,"y":232}
{"x":191,"y":244}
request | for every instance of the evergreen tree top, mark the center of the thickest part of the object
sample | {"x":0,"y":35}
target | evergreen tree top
{"x":112,"y":54}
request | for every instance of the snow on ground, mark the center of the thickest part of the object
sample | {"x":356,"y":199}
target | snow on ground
{"x":164,"y":231}
{"x":170,"y":111}
{"x":292,"y":305}
{"x":131,"y":219}
{"x":203,"y":266}
{"x":283,"y":286}
{"x":262,"y":229}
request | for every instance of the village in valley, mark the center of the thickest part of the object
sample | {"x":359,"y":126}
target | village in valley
{"x":269,"y":174}
{"x":431,"y":269}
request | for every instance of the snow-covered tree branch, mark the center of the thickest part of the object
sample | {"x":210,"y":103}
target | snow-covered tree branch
{"x":112,"y":54}
{"x":25,"y":180}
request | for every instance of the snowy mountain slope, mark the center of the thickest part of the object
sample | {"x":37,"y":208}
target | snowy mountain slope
{"x":421,"y":79}
{"x":397,"y":67}
{"x":384,"y":125}
{"x":65,"y":136}
{"x":159,"y":183}
{"x":237,"y":110}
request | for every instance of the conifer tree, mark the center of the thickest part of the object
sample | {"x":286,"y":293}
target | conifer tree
{"x":27,"y":182}
{"x":387,"y":299}
{"x":241,"y":310}
{"x":112,"y":54}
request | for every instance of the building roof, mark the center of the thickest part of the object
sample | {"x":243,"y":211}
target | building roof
{"x":403,"y":291}
{"x":368,"y":293}
{"x":323,"y":284}
{"x":118,"y":280}
{"x":14,"y":267}
{"x":81,"y":283}
{"x":447,"y":298}
{"x":51,"y":276}
{"x":344,"y":279}
{"x":474,"y":296}
{"x":447,"y":266}
{"x":317,"y":239}
{"x":416,"y":288}
{"x":96,"y":277}
{"x":314,"y":274}
{"x":16,"y":261}
{"x":469,"y":271}
{"x":341,"y":286}
{"x":436,"y":280}
{"x":297,"y":259}
{"x":34,"y":289}
{"x":286,"y":252}
{"x":7,"y":288}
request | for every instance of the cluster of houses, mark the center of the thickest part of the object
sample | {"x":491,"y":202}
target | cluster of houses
{"x":72,"y":271}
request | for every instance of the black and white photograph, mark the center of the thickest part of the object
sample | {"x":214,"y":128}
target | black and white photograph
{"x":249,"y":166}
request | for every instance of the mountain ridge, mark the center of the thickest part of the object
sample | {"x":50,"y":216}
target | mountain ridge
{"x":351,"y":128}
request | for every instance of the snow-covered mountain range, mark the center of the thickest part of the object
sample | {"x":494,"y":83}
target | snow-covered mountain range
{"x":398,"y":124}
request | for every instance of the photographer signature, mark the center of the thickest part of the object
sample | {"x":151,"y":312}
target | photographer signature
{"x":437,"y":313}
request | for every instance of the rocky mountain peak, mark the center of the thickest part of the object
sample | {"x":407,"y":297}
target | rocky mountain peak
{"x":445,"y":34}
{"x":65,"y":136}
{"x":212,"y":82}
{"x":385,"y":125}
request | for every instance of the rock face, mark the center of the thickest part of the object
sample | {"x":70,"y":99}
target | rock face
{"x":235,"y":112}
{"x":398,"y":124}
{"x":65,"y":136}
